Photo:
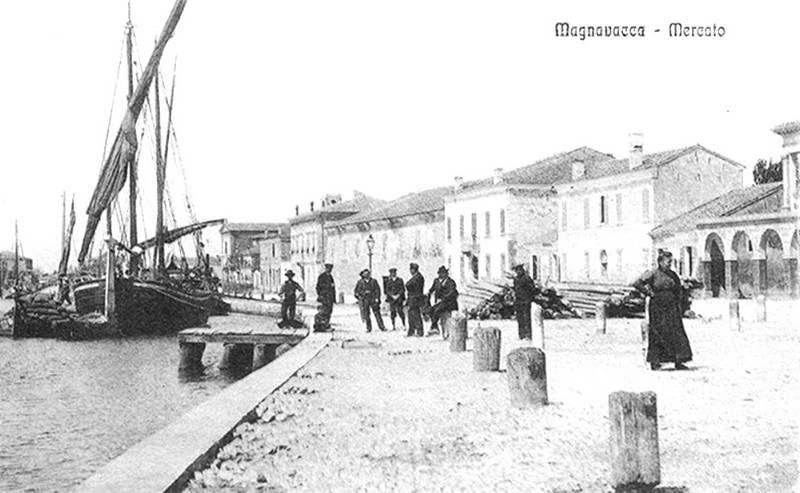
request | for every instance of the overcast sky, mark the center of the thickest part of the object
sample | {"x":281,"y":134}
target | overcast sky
{"x":279,"y":102}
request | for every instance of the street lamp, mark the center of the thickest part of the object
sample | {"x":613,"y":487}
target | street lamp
{"x":370,"y":246}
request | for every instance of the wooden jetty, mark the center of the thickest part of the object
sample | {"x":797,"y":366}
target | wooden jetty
{"x":245,"y":347}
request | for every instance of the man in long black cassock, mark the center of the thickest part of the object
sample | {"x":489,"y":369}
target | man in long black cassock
{"x":396,"y":296}
{"x":326,"y":295}
{"x":288,"y":294}
{"x":368,"y":294}
{"x":524,"y":292}
{"x":445,"y":296}
{"x":415,"y":289}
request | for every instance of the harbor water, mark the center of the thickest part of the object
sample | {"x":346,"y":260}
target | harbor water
{"x":67,"y":408}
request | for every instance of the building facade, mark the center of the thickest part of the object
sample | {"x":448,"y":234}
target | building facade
{"x":492,"y":224}
{"x":240,"y":256}
{"x":308,"y":234}
{"x":275,"y":258}
{"x":606,"y":210}
{"x":408,"y":229}
{"x":744,"y":242}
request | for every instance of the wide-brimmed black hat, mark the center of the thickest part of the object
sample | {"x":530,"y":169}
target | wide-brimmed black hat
{"x":518,"y":266}
{"x":392,"y":269}
{"x":328,"y":265}
{"x":442,"y":270}
{"x":365,"y":271}
{"x":413,"y":265}
{"x":289,"y":273}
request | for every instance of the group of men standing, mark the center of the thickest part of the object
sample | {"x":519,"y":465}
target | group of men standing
{"x":401,"y":295}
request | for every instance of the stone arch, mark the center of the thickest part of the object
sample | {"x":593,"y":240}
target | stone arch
{"x":714,"y":271}
{"x":774,"y":277}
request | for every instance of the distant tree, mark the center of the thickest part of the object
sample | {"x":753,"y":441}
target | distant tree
{"x":765,"y":172}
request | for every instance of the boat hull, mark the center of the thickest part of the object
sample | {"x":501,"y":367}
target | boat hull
{"x":147,"y":307}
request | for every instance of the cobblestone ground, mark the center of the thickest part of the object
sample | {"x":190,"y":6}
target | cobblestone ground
{"x":382,"y":412}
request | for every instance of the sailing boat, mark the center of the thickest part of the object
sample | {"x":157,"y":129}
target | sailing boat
{"x":138,"y":302}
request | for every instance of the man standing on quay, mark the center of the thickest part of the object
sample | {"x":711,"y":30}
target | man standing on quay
{"x":524,"y":291}
{"x":368,"y":294}
{"x":446,"y":298}
{"x":416,"y":298}
{"x":396,"y":296}
{"x":326,"y":295}
{"x":288,"y":294}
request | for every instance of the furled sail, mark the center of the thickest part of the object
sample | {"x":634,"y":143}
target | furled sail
{"x":178,"y":233}
{"x":113,"y":174}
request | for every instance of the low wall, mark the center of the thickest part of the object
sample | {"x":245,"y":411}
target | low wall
{"x":166,"y":460}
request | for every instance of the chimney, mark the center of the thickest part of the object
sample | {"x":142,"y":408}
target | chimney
{"x":635,"y":139}
{"x":297,"y":210}
{"x":578,"y":170}
{"x":791,"y":161}
{"x":498,"y":176}
{"x":458,"y":181}
{"x":312,"y":206}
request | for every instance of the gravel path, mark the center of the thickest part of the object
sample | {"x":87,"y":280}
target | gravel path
{"x":382,"y":412}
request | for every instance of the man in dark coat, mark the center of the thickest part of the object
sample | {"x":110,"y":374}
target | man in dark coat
{"x":326,"y":295}
{"x":524,"y":291}
{"x":396,"y":296}
{"x":288,"y":294}
{"x":415,"y":288}
{"x":666,"y":337}
{"x":445,"y":296}
{"x":368,"y":294}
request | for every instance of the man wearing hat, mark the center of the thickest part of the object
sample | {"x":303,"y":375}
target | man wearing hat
{"x":415,"y":287}
{"x":524,"y":291}
{"x":445,"y":296}
{"x":326,"y":295}
{"x":288,"y":294}
{"x":368,"y":294}
{"x":395,"y":290}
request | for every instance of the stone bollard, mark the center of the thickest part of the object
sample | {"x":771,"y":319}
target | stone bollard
{"x":527,"y":377}
{"x":733,"y":315}
{"x":600,"y":316}
{"x":486,"y":349}
{"x":457,"y":328}
{"x":263,"y":354}
{"x":761,"y":308}
{"x":635,"y":463}
{"x":236,"y":356}
{"x":537,"y":324}
{"x":191,"y":355}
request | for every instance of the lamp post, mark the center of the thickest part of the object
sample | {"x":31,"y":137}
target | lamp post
{"x":370,"y":246}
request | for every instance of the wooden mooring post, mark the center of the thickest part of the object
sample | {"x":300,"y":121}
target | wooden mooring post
{"x":527,"y":377}
{"x":537,"y":324}
{"x":457,"y":328}
{"x":635,"y":461}
{"x":486,"y":349}
{"x":191,"y":355}
{"x":733,"y":315}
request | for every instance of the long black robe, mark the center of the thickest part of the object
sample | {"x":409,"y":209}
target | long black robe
{"x":667,"y":341}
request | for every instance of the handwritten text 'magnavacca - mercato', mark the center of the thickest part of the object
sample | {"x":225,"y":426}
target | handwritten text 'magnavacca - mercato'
{"x":676,"y":30}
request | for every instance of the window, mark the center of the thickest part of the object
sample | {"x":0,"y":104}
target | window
{"x":488,"y":224}
{"x":619,"y":263}
{"x":619,"y":208}
{"x":564,"y":215}
{"x":449,"y":231}
{"x":502,"y":221}
{"x":225,"y":245}
{"x":461,"y":266}
{"x":273,"y":250}
{"x":502,"y":263}
{"x":534,"y":267}
{"x":603,"y":209}
{"x":689,"y":261}
{"x":488,"y":265}
{"x":474,"y":225}
{"x":586,"y":212}
{"x":461,"y":227}
{"x":645,"y":205}
{"x":603,"y":263}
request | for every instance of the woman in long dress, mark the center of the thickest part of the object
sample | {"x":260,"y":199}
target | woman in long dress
{"x":667,"y":341}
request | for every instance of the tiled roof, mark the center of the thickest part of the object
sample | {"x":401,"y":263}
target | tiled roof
{"x":723,"y":205}
{"x":359,"y":203}
{"x":249,"y":227}
{"x":547,"y":171}
{"x":598,"y":169}
{"x":414,"y":203}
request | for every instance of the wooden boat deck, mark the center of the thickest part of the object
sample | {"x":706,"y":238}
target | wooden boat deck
{"x":261,"y":335}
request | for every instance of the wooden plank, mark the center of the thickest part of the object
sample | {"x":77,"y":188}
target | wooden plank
{"x":243,"y":338}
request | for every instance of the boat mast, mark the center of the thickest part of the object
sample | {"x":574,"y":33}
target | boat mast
{"x":63,"y":218}
{"x":16,"y":256}
{"x":134,"y":237}
{"x":160,"y":178}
